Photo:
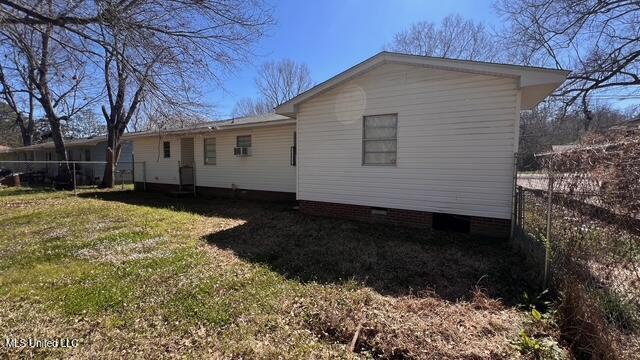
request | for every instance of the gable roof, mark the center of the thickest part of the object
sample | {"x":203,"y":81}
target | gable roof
{"x":91,"y":141}
{"x":536,"y":83}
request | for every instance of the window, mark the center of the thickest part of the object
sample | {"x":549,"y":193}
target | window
{"x":379,"y":140}
{"x":166,"y":148}
{"x":243,"y":141}
{"x":87,"y":155}
{"x":210,"y":151}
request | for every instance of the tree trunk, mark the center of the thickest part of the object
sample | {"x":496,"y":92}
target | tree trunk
{"x":113,"y":155}
{"x":588,"y":115}
{"x":26,"y":132}
{"x":58,"y":142}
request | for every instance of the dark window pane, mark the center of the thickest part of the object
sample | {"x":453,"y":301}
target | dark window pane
{"x":166,"y":147}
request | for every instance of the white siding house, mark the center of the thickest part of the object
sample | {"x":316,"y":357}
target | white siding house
{"x":266,"y":168}
{"x":400,"y":134}
{"x":455,"y":142}
{"x":398,"y":138}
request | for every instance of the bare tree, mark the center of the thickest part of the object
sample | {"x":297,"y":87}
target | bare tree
{"x":53,"y":74}
{"x":251,"y":107}
{"x":277,"y":82}
{"x":454,"y":37}
{"x":280,"y":81}
{"x":168,"y":118}
{"x":156,"y":117}
{"x":599,"y":40}
{"x":17,"y":87}
{"x":217,"y":34}
{"x":550,"y":124}
{"x":158,"y":53}
{"x":9,"y":133}
{"x":84,"y":124}
{"x":154,"y":53}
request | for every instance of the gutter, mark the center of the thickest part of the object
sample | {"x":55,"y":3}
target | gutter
{"x":211,"y":128}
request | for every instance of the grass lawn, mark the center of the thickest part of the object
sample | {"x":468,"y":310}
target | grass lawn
{"x":143,"y":274}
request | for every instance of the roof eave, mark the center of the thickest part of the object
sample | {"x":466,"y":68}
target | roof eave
{"x":210,"y":129}
{"x":529,"y":77}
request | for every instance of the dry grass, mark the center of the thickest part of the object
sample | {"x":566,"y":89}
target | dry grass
{"x":155,"y":277}
{"x":596,"y":266}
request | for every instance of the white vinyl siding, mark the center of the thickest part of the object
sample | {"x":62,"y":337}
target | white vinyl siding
{"x":455,"y":142}
{"x":210,"y":151}
{"x":156,"y":168}
{"x":268,"y":168}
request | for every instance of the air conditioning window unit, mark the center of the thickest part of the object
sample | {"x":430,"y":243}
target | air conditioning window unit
{"x":242,"y":151}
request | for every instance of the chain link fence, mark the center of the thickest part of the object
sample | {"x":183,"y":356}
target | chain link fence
{"x":52,"y":173}
{"x":580,"y":213}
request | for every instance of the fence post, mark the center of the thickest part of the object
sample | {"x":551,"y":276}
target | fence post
{"x":547,"y":252}
{"x":521,"y":198}
{"x":73,"y":174}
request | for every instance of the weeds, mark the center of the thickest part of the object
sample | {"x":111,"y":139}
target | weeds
{"x":542,"y":349}
{"x":134,"y":275}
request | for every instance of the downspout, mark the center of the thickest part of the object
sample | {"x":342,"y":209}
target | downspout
{"x":516,"y":141}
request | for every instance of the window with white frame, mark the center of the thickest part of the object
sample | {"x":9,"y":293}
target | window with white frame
{"x":380,"y":139}
{"x":243,"y":141}
{"x":210,"y":151}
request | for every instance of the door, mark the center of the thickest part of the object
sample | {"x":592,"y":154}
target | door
{"x":186,"y":161}
{"x":186,"y":152}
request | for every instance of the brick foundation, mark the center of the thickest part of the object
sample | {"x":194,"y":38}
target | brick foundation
{"x":491,"y":227}
{"x":481,"y":226}
{"x":412,"y":218}
{"x":155,"y":187}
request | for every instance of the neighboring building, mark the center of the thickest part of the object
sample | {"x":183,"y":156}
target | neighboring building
{"x":397,"y":138}
{"x":39,"y":159}
{"x":4,"y":152}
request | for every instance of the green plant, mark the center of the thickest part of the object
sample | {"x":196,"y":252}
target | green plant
{"x":539,"y":307}
{"x":619,"y":311}
{"x":532,"y":348}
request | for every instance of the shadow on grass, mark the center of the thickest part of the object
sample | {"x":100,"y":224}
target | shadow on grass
{"x":394,"y":261}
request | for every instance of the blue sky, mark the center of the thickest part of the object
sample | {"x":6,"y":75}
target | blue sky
{"x":332,"y":35}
